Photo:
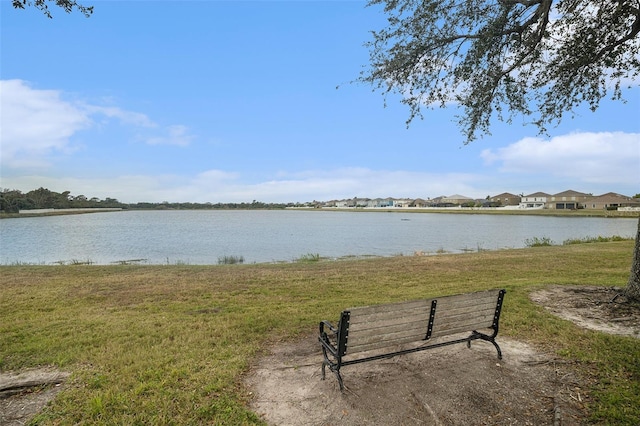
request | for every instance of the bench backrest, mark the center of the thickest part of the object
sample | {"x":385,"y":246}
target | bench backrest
{"x":376,"y":327}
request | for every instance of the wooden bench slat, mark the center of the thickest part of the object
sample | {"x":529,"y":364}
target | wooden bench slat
{"x":400,"y":307}
{"x":357,"y":325}
{"x":462,"y":316}
{"x":417,"y":330}
{"x":386,"y":328}
{"x":415,"y":334}
{"x":459,"y":314}
{"x":452,"y":331}
{"x":456,"y":310}
{"x":443,"y":312}
{"x":468,"y":323}
{"x":381,"y":344}
{"x":471,"y":299}
{"x":396,"y":317}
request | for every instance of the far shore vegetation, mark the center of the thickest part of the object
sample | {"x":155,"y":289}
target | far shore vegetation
{"x":13,"y":201}
{"x":171,"y":344}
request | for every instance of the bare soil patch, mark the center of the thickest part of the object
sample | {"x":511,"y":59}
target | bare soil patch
{"x":446,"y":386}
{"x":596,"y":308}
{"x":24,"y":394}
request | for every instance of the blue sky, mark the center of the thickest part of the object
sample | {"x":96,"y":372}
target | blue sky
{"x":235,"y":101}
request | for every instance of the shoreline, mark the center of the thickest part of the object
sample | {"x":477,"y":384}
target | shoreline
{"x":441,"y":210}
{"x":58,"y":212}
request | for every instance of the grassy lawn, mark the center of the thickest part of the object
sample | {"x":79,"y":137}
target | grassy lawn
{"x":169,"y":344}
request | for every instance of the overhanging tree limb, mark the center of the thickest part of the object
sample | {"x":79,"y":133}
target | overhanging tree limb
{"x":536,"y":58}
{"x":67,"y":5}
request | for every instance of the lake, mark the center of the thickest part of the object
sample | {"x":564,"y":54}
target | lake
{"x":202,"y":237}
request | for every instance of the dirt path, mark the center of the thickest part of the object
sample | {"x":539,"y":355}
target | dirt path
{"x":596,"y":308}
{"x":24,"y":394}
{"x":447,"y":386}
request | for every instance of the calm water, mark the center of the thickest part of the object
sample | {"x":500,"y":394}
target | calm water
{"x":201,"y":237}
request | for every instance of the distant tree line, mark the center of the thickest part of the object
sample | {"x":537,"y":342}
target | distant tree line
{"x":13,"y":200}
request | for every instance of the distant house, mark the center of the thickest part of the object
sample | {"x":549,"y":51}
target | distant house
{"x":612,"y":201}
{"x":569,"y":200}
{"x":456,"y":200}
{"x":371,"y":203}
{"x":402,"y":202}
{"x":435,"y":201}
{"x":419,"y":202}
{"x":505,"y":199}
{"x":360,"y":202}
{"x":385,"y":202}
{"x":537,"y":200}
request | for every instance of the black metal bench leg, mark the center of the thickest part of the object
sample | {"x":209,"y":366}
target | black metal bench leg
{"x":486,"y":338}
{"x":497,"y":348}
{"x":335,"y":370}
{"x":337,"y":373}
{"x":334,"y":367}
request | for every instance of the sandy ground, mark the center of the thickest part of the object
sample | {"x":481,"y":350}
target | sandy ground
{"x":24,"y":394}
{"x":596,"y":308}
{"x":452,"y":385}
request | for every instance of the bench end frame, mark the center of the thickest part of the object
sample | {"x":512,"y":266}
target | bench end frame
{"x":333,"y":352}
{"x":496,"y":321}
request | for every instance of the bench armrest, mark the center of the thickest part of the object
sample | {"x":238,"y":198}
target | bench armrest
{"x":326,"y":339}
{"x":327,"y":324}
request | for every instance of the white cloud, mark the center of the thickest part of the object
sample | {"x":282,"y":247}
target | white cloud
{"x":35,"y":123}
{"x":127,"y":117}
{"x":174,"y":135}
{"x":38,"y":124}
{"x":593,"y":158}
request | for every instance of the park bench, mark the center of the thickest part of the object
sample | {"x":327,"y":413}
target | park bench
{"x":371,"y":333}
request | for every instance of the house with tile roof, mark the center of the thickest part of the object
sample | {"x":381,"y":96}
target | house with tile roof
{"x":456,"y":200}
{"x":505,"y":199}
{"x":568,"y":200}
{"x":537,"y":200}
{"x":611,"y":201}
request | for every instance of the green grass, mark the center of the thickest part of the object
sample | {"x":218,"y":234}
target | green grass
{"x":230,"y":260}
{"x":538,"y":242}
{"x":546,"y":241}
{"x":309,"y":257}
{"x":169,"y":344}
{"x":598,"y":239}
